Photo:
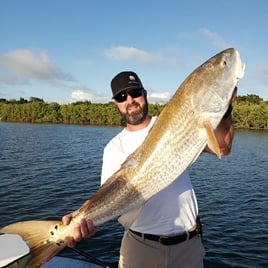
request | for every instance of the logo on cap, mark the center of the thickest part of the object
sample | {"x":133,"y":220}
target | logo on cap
{"x":132,"y":78}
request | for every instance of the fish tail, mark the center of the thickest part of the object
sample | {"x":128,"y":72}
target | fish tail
{"x":39,"y":236}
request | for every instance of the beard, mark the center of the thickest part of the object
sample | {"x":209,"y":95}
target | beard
{"x":135,"y":117}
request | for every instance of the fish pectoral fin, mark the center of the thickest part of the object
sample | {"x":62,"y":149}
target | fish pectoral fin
{"x":37,"y":235}
{"x":211,"y":139}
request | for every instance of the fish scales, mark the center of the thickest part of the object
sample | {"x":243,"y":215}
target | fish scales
{"x":178,"y":137}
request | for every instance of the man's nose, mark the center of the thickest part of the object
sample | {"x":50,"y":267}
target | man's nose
{"x":129,"y":99}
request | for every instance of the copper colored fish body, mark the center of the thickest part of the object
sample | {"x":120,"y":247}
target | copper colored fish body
{"x":179,"y":135}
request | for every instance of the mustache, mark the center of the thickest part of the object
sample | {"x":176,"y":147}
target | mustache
{"x":133,"y":104}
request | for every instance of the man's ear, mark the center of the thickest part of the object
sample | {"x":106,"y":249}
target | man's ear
{"x":145,"y":93}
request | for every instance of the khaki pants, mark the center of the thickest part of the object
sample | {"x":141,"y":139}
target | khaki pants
{"x":137,"y":252}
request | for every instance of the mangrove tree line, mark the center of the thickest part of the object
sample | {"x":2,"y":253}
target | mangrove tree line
{"x":249,"y":112}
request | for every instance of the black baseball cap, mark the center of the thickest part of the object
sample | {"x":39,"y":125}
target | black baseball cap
{"x":125,"y":81}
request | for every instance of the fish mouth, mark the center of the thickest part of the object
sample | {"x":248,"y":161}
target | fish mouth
{"x":240,"y":70}
{"x":241,"y":74}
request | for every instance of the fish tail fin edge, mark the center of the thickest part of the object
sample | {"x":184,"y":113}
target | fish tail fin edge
{"x":37,"y":235}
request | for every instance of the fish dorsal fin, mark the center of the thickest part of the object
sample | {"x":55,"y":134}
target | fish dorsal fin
{"x":211,"y":139}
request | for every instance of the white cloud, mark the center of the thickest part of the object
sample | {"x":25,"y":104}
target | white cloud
{"x":21,"y":66}
{"x":261,"y":73}
{"x":84,"y":62}
{"x":84,"y":94}
{"x":159,"y":97}
{"x":135,"y":54}
{"x":215,"y":38}
{"x":80,"y":95}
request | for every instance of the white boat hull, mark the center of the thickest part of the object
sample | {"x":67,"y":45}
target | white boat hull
{"x":15,"y":253}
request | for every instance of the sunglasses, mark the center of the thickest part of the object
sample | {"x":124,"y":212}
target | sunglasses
{"x":133,"y":93}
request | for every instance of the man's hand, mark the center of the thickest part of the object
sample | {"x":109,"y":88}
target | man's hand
{"x":81,"y":230}
{"x":225,"y":132}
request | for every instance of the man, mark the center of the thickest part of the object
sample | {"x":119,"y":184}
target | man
{"x":164,"y":232}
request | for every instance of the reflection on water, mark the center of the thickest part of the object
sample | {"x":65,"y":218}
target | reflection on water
{"x":47,"y":171}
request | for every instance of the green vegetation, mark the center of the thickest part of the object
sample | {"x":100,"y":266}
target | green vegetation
{"x":37,"y":111}
{"x":249,"y":112}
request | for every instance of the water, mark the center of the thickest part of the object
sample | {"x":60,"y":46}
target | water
{"x":47,"y":171}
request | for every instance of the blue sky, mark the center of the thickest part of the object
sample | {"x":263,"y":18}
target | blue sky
{"x":69,"y":50}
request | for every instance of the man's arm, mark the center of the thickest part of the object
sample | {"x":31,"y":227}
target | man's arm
{"x":224,"y":134}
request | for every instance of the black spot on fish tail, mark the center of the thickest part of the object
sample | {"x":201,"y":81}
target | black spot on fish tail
{"x":55,"y":228}
{"x":60,"y":243}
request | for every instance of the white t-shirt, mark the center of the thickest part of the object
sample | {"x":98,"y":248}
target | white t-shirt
{"x":171,"y":211}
